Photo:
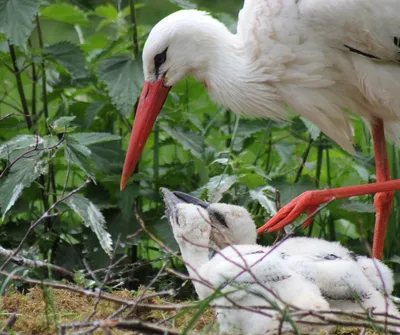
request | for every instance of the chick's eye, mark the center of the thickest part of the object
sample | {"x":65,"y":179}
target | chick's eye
{"x":160,"y":58}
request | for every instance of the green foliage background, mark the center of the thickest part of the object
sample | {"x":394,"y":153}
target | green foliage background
{"x":75,"y":68}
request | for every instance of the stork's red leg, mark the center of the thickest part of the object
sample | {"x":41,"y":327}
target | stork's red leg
{"x":382,"y":201}
{"x":310,"y":200}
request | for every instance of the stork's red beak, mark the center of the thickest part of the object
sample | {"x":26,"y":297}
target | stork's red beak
{"x":150,"y":103}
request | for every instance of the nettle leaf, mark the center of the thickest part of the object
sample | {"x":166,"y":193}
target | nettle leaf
{"x":185,"y":4}
{"x":78,"y":155}
{"x":217,"y":186}
{"x":312,"y":128}
{"x":70,"y":56}
{"x":123,"y":77}
{"x":346,"y":228}
{"x":21,"y":175}
{"x":189,"y":140}
{"x":65,"y":13}
{"x":267,"y":203}
{"x":107,"y":11}
{"x":92,"y":218}
{"x":19,"y":142}
{"x":92,"y":138}
{"x":16,"y":19}
{"x":358,"y":207}
{"x":63,"y":124}
{"x":81,"y":149}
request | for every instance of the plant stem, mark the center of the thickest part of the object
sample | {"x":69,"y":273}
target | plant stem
{"x":44,"y":79}
{"x":20,"y":86}
{"x":135,"y":42}
{"x":304,"y":160}
{"x":34,"y":83}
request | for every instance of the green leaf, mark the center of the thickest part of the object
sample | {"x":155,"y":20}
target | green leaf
{"x":65,"y":13}
{"x":189,"y":140}
{"x":21,"y":175}
{"x":185,"y":4}
{"x":346,"y":228}
{"x":358,"y":207}
{"x":78,"y":155}
{"x":63,"y":124}
{"x":217,"y":186}
{"x":16,"y":19}
{"x":285,"y":151}
{"x":91,"y":138}
{"x":70,"y":57}
{"x":264,"y":201}
{"x":123,"y":78}
{"x":19,"y":142}
{"x":312,"y":128}
{"x":92,"y":218}
{"x":107,"y":11}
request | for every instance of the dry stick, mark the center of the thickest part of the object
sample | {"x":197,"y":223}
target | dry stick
{"x":135,"y":325}
{"x":36,"y":223}
{"x":10,"y":322}
{"x":96,"y":303}
{"x":35,"y":264}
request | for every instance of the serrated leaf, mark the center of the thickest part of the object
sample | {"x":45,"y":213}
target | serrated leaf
{"x":92,"y":218}
{"x":312,"y":128}
{"x":285,"y":151}
{"x":189,"y":140}
{"x":78,"y":155}
{"x":16,"y":19}
{"x":217,"y":186}
{"x":185,"y":4}
{"x":92,"y":138}
{"x":21,"y":175}
{"x":19,"y":142}
{"x":107,"y":11}
{"x":123,"y":77}
{"x":66,"y":13}
{"x":346,"y":228}
{"x":358,"y":207}
{"x":63,"y":124}
{"x":70,"y":56}
{"x":264,"y":201}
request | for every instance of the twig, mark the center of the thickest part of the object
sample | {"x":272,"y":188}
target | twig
{"x":37,"y":222}
{"x":35,"y":264}
{"x":10,"y":322}
{"x":104,"y":280}
{"x":6,"y":117}
{"x":136,"y":325}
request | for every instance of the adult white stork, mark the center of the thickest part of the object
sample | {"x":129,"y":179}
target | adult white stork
{"x":317,"y":57}
{"x":295,"y":268}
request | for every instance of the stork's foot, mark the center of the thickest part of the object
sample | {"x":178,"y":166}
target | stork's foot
{"x":382,"y":204}
{"x":306,"y":202}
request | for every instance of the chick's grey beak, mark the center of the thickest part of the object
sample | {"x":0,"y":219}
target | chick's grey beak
{"x":189,"y":199}
{"x":171,"y":201}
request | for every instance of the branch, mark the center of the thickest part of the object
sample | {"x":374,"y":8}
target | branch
{"x":35,"y":264}
{"x":36,"y":223}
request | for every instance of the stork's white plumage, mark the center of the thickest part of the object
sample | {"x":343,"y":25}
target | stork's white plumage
{"x":246,"y":278}
{"x":316,"y":57}
{"x":305,"y":272}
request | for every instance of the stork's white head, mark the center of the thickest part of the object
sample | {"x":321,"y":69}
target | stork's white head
{"x":185,"y":42}
{"x":231,"y":225}
{"x":225,"y":224}
{"x":178,"y":45}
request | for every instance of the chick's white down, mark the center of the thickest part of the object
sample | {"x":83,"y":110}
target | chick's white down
{"x":303,"y":272}
{"x":318,"y":58}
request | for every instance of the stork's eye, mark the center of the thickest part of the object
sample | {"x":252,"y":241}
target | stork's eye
{"x":217,"y":216}
{"x":160,"y":58}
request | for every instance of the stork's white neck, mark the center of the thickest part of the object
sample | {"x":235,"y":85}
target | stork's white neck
{"x":194,"y":257}
{"x":232,"y":78}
